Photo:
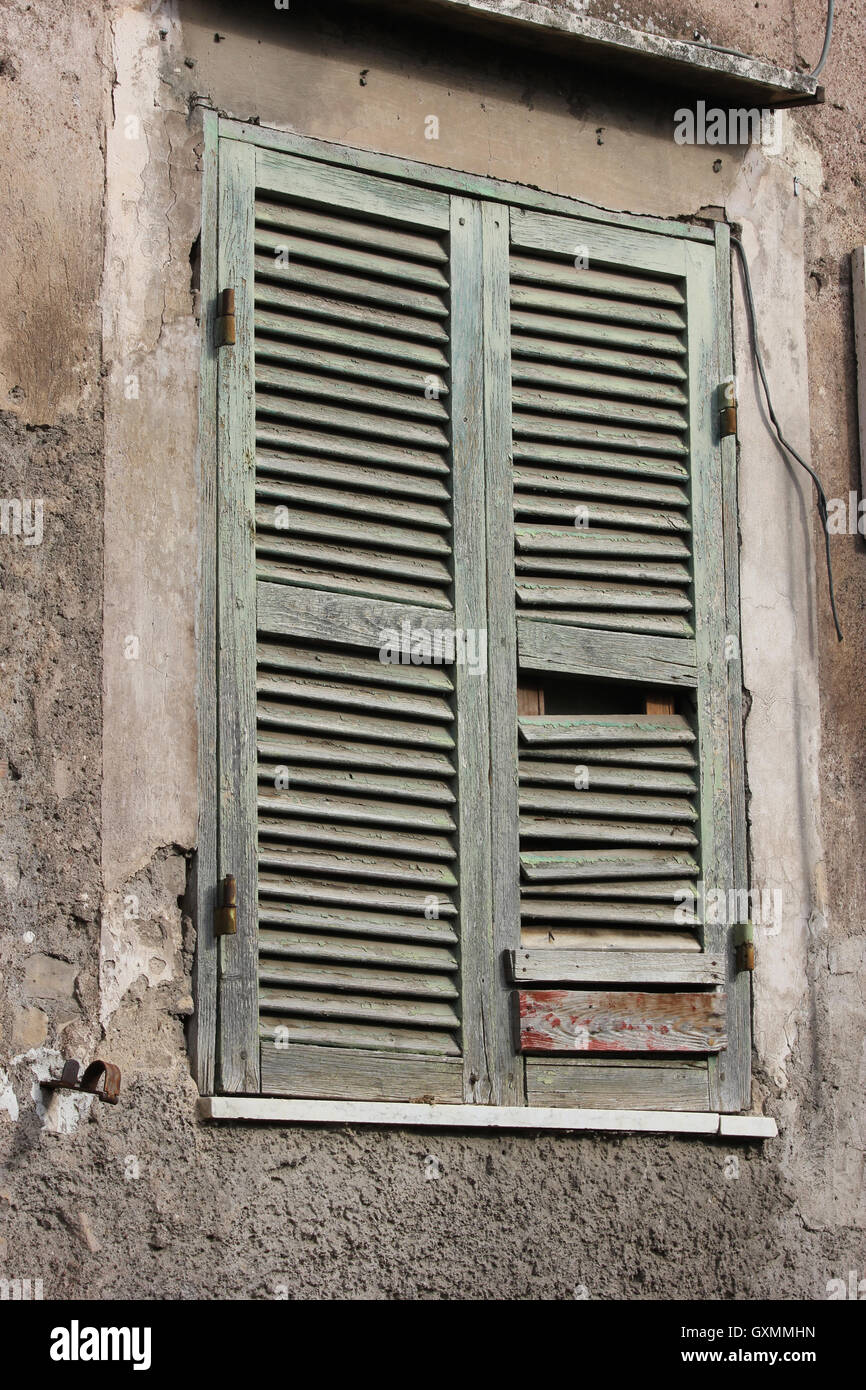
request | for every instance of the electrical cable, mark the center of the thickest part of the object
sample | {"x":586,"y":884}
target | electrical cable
{"x":756,"y":348}
{"x":831,"y":5}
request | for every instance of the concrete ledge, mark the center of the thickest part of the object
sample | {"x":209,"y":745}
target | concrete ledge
{"x":672,"y":61}
{"x":265,"y":1110}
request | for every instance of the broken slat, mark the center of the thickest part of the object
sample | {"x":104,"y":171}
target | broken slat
{"x":613,"y":1021}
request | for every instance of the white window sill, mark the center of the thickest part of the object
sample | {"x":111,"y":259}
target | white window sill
{"x":322,"y":1112}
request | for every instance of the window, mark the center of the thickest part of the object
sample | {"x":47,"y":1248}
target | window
{"x":473,"y":679}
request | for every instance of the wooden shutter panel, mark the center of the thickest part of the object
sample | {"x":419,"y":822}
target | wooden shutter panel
{"x":619,"y":534}
{"x":351,"y":506}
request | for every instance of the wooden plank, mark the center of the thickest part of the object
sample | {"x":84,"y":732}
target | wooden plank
{"x":551,"y":729}
{"x":304,"y":1070}
{"x":734,"y":1080}
{"x":202,"y":1025}
{"x":348,"y":477}
{"x":633,"y":889}
{"x":335,"y":895}
{"x":599,"y":776}
{"x":636,"y":1086}
{"x":314,"y":661}
{"x":586,"y":802}
{"x":378,"y":1039}
{"x":555,"y":965}
{"x":616,"y":655}
{"x":366,"y":811}
{"x":479,"y":1005}
{"x":343,"y":420}
{"x":274,"y":359}
{"x":616,"y":246}
{"x":571,"y":911}
{"x":362,"y":1008}
{"x":332,"y":781}
{"x":348,"y":569}
{"x":412,"y":872}
{"x":273,"y":1110}
{"x":350,"y":191}
{"x":404,"y":703}
{"x":618,"y":940}
{"x":664,"y":755}
{"x":575,"y":540}
{"x":502,"y":648}
{"x":238,"y":1026}
{"x":338,"y":581}
{"x":330,"y":722}
{"x":323,"y":283}
{"x":570,"y":866}
{"x":568,"y":431}
{"x":338,"y":838}
{"x":351,"y":754}
{"x":362,"y":979}
{"x":354,"y":950}
{"x":606,"y":1021}
{"x":609,"y":832}
{"x":587,"y":308}
{"x":326,"y":617}
{"x":630,"y":620}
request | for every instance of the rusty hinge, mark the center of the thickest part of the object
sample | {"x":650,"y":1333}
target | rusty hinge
{"x":225,"y":323}
{"x":728,"y":408}
{"x":225,"y":917}
{"x":744,"y":941}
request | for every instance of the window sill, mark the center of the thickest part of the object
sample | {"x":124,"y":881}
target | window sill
{"x":265,"y":1110}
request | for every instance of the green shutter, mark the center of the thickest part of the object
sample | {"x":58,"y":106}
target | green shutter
{"x":625,"y":783}
{"x":425,"y":393}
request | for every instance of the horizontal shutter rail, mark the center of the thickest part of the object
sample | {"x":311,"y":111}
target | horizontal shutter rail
{"x":599,"y":514}
{"x":318,"y":523}
{"x":627,"y":251}
{"x":272,"y":568}
{"x":357,"y":290}
{"x":331,"y":617}
{"x":643,"y":572}
{"x":666,"y":755}
{"x":314,"y":557}
{"x":334,"y":1004}
{"x":306,"y":1070}
{"x":564,"y":405}
{"x":307,"y":859}
{"x":558,"y":966}
{"x":645,"y":889}
{"x":598,"y":1021}
{"x":585,"y":307}
{"x":343,"y":418}
{"x":571,"y":593}
{"x":566,"y":430}
{"x":350,"y":191}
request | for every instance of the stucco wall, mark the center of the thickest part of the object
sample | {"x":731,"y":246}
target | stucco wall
{"x":99,"y":799}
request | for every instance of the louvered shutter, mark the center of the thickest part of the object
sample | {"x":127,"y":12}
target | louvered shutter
{"x":354,"y":800}
{"x":625,"y":796}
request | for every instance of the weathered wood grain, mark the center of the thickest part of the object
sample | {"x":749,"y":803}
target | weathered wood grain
{"x":607,"y":1021}
{"x":307,"y":1071}
{"x":557,"y":965}
{"x":611,"y":1086}
{"x":616,"y":655}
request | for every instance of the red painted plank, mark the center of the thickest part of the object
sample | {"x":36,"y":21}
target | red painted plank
{"x":561,"y":1020}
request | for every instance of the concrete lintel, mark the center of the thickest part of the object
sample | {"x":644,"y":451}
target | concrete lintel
{"x":270,"y":1110}
{"x":706,"y":71}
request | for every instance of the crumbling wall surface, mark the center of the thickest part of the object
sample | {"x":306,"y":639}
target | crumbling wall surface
{"x":97,"y":661}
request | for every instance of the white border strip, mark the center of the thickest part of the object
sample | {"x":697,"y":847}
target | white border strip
{"x":343,"y":1112}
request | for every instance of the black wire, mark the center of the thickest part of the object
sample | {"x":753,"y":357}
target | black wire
{"x":822,"y":500}
{"x":827,"y":37}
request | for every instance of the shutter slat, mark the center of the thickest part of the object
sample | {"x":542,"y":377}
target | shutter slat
{"x":609,"y":728}
{"x":565,"y":405}
{"x":584,"y":1021}
{"x":276,"y":555}
{"x":567,"y":593}
{"x":331,"y":499}
{"x":605,"y":831}
{"x":592,"y":803}
{"x":634,"y":889}
{"x":371,"y":927}
{"x":348,"y":950}
{"x":625,"y":914}
{"x":342,"y":898}
{"x":396,"y":377}
{"x":344,"y":836}
{"x":356,"y":289}
{"x":351,"y":421}
{"x":352,"y":232}
{"x":328,"y":781}
{"x":354,"y":977}
{"x":622,"y":779}
{"x":350,"y":696}
{"x":301,"y":859}
{"x":571,"y":866}
{"x":599,"y":488}
{"x":628,"y":571}
{"x":368,"y":451}
{"x":565,"y":379}
{"x":347,"y":477}
{"x":360,"y":1007}
{"x":322,"y":386}
{"x":317,"y":251}
{"x":369,"y":317}
{"x":657,"y":624}
{"x":274,"y":571}
{"x":596,"y":514}
{"x":375,"y":345}
{"x":607,"y":461}
{"x":619,"y":941}
{"x":348,"y":755}
{"x":357,"y":809}
{"x":344,"y":665}
{"x":609,"y":335}
{"x":569,"y":431}
{"x":334,"y":1033}
{"x":588,"y":307}
{"x":535,"y":270}
{"x":336,"y":722}
{"x":559,"y":540}
{"x":546,"y":349}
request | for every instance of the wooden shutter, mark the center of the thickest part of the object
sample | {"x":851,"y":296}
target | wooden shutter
{"x":352,"y":507}
{"x":624,"y":745}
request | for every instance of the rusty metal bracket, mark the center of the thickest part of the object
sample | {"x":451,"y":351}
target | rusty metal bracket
{"x":744,"y":941}
{"x":225,"y":320}
{"x":89,"y":1083}
{"x":225,"y":916}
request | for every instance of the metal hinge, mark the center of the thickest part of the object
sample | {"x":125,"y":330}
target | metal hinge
{"x":728,"y":408}
{"x":225,"y":917}
{"x":744,"y":941}
{"x":225,"y":322}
